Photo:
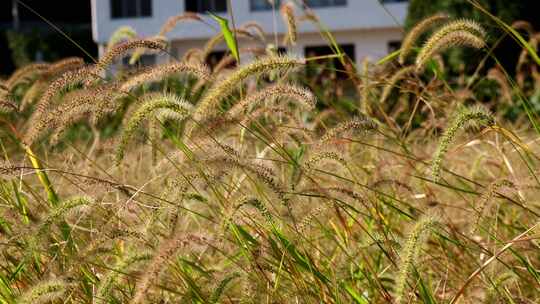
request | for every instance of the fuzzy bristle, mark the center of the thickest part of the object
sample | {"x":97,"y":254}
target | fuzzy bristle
{"x":416,"y":32}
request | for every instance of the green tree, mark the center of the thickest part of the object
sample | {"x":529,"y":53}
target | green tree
{"x":25,"y":44}
{"x":507,"y":10}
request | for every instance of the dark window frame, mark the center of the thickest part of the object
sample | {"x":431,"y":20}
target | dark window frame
{"x":204,"y":6}
{"x":145,"y":60}
{"x":120,"y":9}
{"x":393,"y":45}
{"x":267,"y":7}
{"x":393,"y":1}
{"x":349,"y":48}
{"x":214,"y":57}
{"x":329,"y":4}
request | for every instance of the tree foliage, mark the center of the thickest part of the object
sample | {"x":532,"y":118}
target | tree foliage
{"x":508,"y":11}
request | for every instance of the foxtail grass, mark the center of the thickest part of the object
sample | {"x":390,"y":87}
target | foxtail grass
{"x":106,"y":284}
{"x":159,"y":72}
{"x":209,"y":104}
{"x":24,"y":73}
{"x":172,"y":22}
{"x":304,"y":97}
{"x":413,"y":35}
{"x":399,"y":75}
{"x":438,"y":44}
{"x":44,"y":292}
{"x":151,"y":104}
{"x":487,"y":196}
{"x":287,"y":12}
{"x":358,"y":123}
{"x":165,"y":252}
{"x":456,"y":33}
{"x":472,"y":116}
{"x":122,"y":33}
{"x":122,"y":48}
{"x":409,"y":255}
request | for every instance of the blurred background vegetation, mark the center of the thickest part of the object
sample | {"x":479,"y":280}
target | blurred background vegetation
{"x":507,"y":50}
{"x":25,"y":37}
{"x":30,"y":38}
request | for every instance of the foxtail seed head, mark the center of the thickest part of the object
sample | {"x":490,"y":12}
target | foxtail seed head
{"x":165,"y":252}
{"x":263,"y":173}
{"x":39,"y":118}
{"x":287,"y":12}
{"x":67,"y":79}
{"x":121,"y":49}
{"x":416,"y":32}
{"x":256,"y":28}
{"x":488,"y":196}
{"x":7,"y":105}
{"x":365,"y":88}
{"x":478,"y":116}
{"x":24,"y":73}
{"x":470,"y":26}
{"x":433,"y":46}
{"x":122,"y":33}
{"x":171,"y":23}
{"x":304,"y":97}
{"x":324,"y":155}
{"x":157,"y":73}
{"x":64,"y":65}
{"x":498,"y":76}
{"x":400,"y":74}
{"x":257,"y":204}
{"x":360,"y":124}
{"x":457,"y":33}
{"x":107,"y":283}
{"x":153,"y":103}
{"x":44,"y":292}
{"x":224,"y":88}
{"x":8,"y":170}
{"x":409,"y":255}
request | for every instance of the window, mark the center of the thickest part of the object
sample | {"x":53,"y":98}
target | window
{"x":315,"y":51}
{"x":394,"y":46}
{"x":328,"y":65}
{"x":215,"y":57}
{"x":144,"y":61}
{"x":281,"y":50}
{"x":203,"y":6}
{"x":325,"y":3}
{"x":263,"y":5}
{"x":131,"y":8}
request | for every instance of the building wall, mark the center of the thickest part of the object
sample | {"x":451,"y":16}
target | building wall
{"x":367,"y":43}
{"x":363,"y":22}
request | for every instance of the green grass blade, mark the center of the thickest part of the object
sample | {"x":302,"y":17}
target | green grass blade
{"x":228,"y":35}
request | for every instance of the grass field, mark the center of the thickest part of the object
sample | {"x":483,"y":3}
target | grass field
{"x":386,"y":182}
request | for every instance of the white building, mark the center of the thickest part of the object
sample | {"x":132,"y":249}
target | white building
{"x":361,"y":27}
